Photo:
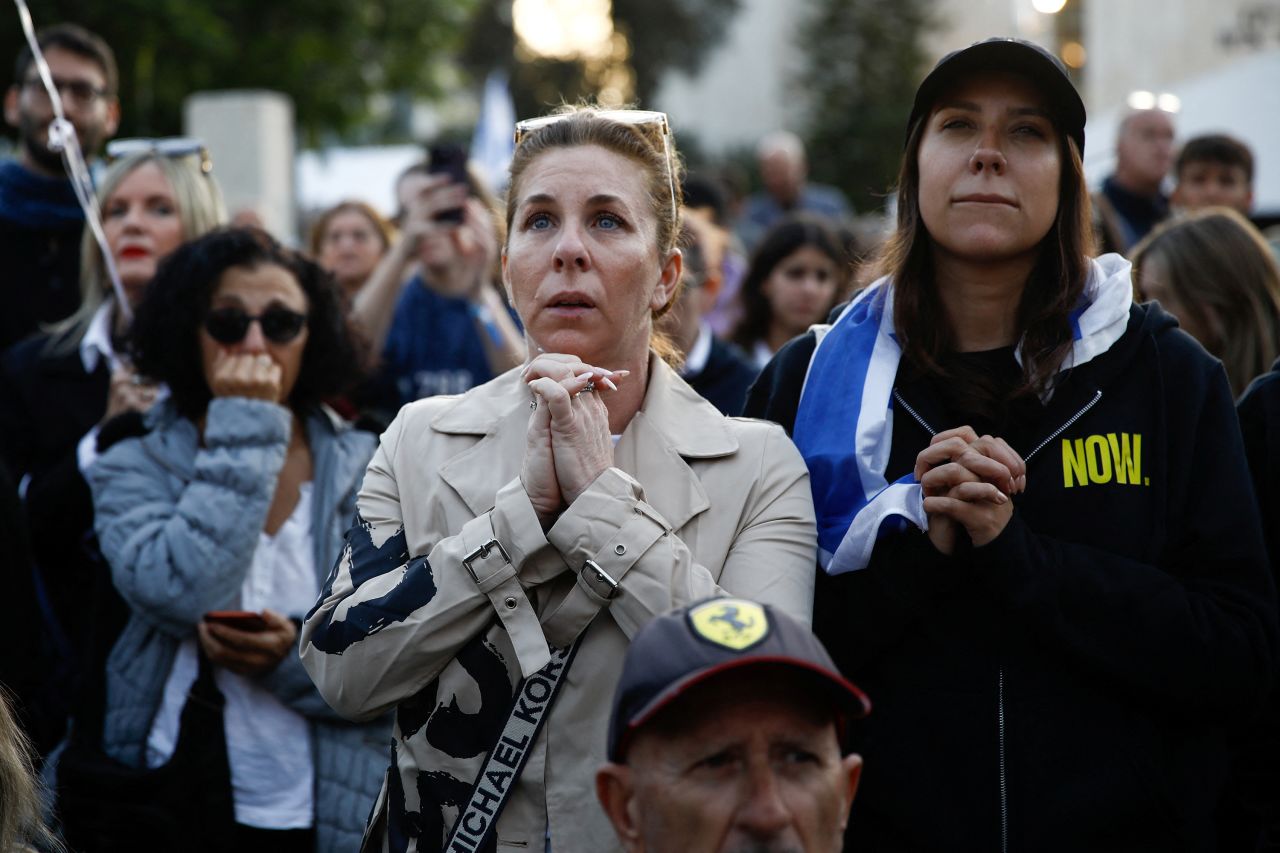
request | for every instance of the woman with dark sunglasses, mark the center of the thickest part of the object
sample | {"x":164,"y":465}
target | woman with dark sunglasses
{"x":558,"y":507}
{"x":236,"y":500}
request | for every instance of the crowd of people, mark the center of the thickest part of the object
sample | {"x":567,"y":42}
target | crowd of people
{"x":417,"y":537}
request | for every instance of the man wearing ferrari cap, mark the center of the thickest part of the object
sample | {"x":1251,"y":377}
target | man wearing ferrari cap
{"x":726,"y":735}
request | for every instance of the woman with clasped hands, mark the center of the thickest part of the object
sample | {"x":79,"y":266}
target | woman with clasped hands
{"x":1042,"y":554}
{"x":572,"y":499}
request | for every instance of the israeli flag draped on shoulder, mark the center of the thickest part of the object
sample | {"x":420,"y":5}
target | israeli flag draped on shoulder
{"x":850,"y":384}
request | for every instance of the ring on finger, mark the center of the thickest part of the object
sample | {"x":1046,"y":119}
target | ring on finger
{"x":586,"y":389}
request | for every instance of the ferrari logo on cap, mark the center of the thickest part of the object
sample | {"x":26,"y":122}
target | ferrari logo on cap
{"x":730,"y":622}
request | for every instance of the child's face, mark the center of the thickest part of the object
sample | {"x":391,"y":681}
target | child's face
{"x":1204,"y":183}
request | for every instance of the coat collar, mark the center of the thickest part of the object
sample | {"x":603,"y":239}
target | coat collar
{"x":674,"y":424}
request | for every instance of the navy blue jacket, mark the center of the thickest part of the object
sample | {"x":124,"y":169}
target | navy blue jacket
{"x":1068,"y":685}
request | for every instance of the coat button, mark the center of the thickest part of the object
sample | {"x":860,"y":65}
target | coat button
{"x":510,"y":602}
{"x":619,"y":549}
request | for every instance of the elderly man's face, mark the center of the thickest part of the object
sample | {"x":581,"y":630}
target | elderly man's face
{"x":745,"y":764}
{"x":783,"y":174}
{"x":1144,"y":149}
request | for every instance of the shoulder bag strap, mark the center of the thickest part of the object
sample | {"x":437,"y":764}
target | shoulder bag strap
{"x":506,"y":759}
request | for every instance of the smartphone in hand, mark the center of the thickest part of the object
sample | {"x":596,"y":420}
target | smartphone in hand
{"x":448,"y":160}
{"x":241,"y":620}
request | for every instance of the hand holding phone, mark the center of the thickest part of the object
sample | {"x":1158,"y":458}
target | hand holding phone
{"x":241,"y":620}
{"x":450,"y":160}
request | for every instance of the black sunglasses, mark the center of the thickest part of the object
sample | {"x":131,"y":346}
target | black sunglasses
{"x":230,"y":325}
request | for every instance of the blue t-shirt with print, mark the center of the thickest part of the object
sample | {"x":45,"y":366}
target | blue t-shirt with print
{"x":433,"y":346}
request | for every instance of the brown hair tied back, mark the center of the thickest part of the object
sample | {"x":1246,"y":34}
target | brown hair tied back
{"x":644,"y":144}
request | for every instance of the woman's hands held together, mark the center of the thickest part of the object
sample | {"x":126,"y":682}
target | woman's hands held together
{"x":128,"y":392}
{"x":568,"y":444}
{"x":968,"y":481}
{"x":249,"y":653}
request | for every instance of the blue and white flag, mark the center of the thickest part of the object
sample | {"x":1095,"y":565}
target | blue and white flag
{"x":493,"y":143}
{"x":844,"y":424}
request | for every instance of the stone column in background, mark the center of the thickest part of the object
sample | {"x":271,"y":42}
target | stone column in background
{"x":251,"y":140}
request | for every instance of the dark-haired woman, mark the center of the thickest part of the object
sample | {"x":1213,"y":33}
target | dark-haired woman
{"x":1042,"y":557}
{"x":797,"y":273}
{"x":237,"y":500}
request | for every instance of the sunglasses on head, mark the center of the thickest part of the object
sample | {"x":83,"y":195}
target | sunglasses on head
{"x":230,"y":325}
{"x":173,"y":147}
{"x":645,"y":119}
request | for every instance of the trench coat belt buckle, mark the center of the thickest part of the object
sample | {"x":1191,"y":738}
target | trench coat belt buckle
{"x":600,"y":582}
{"x":484,"y":554}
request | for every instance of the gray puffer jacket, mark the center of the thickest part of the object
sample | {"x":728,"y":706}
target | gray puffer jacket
{"x":179,"y":522}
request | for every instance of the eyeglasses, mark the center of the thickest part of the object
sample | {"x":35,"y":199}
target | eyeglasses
{"x":230,"y":325}
{"x":79,"y":92}
{"x":647,"y":119}
{"x":173,"y":147}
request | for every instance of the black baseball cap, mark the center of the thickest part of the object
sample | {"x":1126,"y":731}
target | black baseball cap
{"x":686,"y":647}
{"x":1008,"y":54}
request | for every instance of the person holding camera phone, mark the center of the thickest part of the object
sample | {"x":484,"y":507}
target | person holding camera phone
{"x":448,"y":328}
{"x":236,"y":500}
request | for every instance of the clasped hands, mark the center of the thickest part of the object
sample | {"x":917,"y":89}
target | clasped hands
{"x":568,"y":442}
{"x":968,"y":481}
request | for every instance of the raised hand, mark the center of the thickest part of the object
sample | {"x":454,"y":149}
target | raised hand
{"x":251,"y":375}
{"x":128,"y":392}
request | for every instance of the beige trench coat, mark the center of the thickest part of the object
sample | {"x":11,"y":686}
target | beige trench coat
{"x":696,"y":505}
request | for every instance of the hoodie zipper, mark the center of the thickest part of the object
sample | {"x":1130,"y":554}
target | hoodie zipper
{"x":1097,"y":395}
{"x":1003,"y":771}
{"x":1004,"y":779}
{"x":904,"y":404}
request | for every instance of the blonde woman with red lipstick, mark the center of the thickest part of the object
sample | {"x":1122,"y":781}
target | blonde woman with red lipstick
{"x":62,"y":385}
{"x":547,"y":515}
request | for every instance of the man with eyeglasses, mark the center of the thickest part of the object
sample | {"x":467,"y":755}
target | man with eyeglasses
{"x":40,"y":220}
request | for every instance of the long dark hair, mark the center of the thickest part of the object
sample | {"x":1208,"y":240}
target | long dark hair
{"x":778,"y":244}
{"x":1053,"y":291}
{"x":165,"y":340}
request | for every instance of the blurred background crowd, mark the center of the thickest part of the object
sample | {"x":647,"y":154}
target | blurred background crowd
{"x":374,"y":138}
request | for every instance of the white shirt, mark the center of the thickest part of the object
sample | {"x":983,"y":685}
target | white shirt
{"x":695,"y":360}
{"x":95,"y":346}
{"x":268,"y":744}
{"x":761,"y":354}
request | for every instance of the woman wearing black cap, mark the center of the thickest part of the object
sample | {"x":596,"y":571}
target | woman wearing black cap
{"x":1042,"y":558}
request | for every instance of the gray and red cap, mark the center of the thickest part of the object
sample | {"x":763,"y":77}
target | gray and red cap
{"x":684,"y":648}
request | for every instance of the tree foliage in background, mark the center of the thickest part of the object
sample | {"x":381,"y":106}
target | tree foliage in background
{"x":662,"y":35}
{"x":862,"y":61}
{"x":330,"y":56}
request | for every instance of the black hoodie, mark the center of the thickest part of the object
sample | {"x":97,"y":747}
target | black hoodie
{"x":1066,"y":686}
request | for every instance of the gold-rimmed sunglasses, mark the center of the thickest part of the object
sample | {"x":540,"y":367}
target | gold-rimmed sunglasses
{"x":639,"y":118}
{"x":173,"y":147}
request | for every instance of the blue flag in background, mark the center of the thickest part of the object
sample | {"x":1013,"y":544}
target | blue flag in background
{"x":494,"y":141}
